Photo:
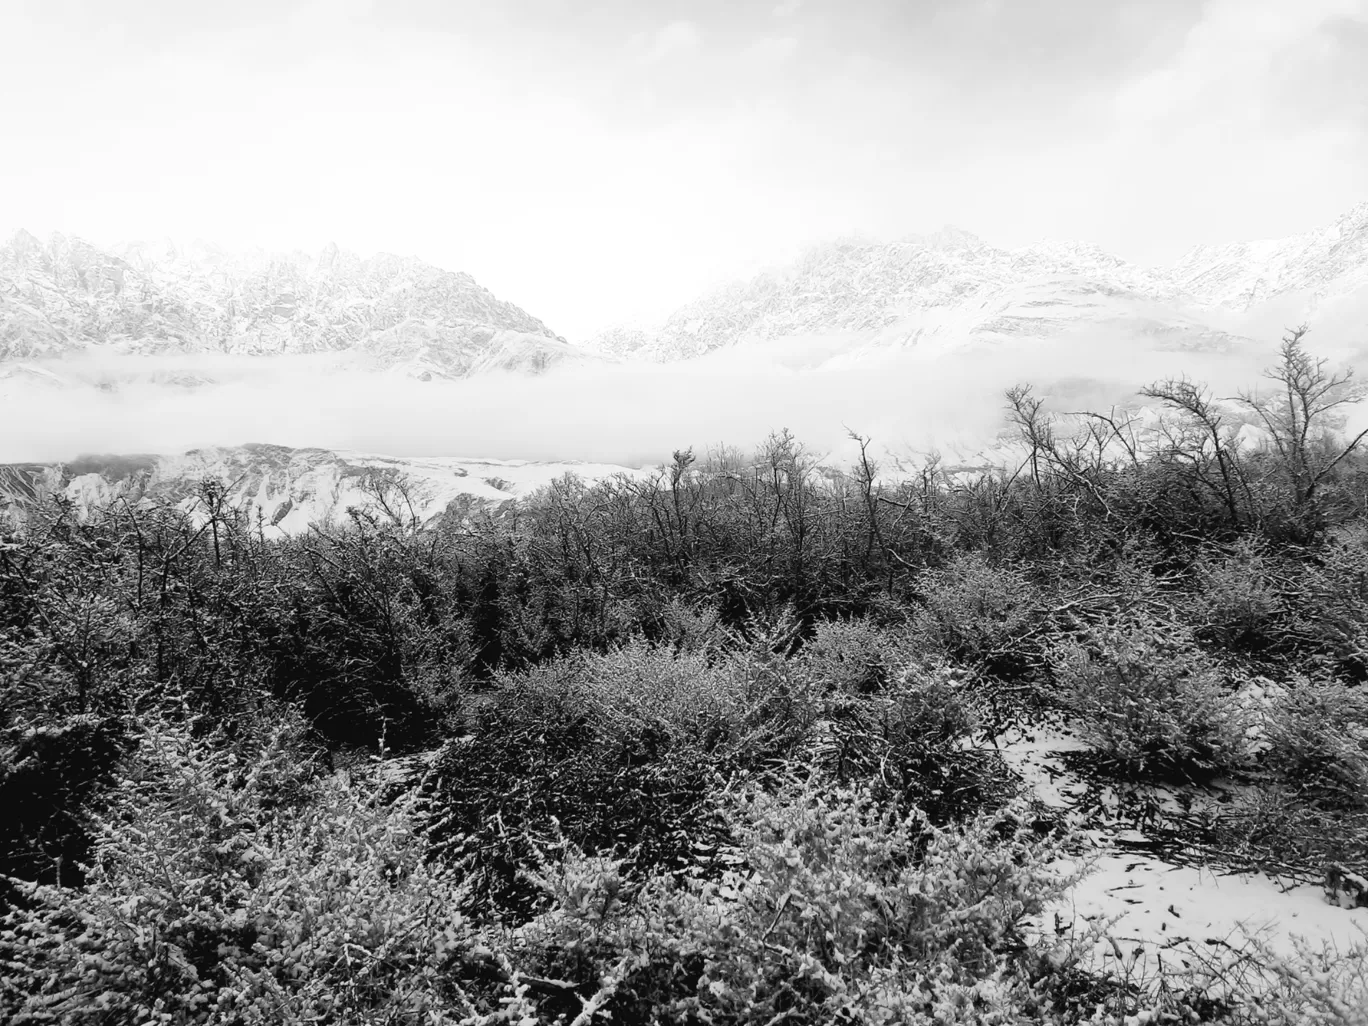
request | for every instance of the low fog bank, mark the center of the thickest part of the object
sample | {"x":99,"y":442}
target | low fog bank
{"x":627,"y":414}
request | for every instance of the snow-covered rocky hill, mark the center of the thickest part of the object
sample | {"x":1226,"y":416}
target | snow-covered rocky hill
{"x":1328,"y":261}
{"x":285,"y":490}
{"x":65,"y":297}
{"x":952,"y":290}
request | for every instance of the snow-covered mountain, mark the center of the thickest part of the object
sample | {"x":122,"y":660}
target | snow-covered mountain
{"x":952,"y":289}
{"x":1331,"y":260}
{"x":947,"y":290}
{"x":158,"y":347}
{"x":66,"y":297}
{"x":289,"y":489}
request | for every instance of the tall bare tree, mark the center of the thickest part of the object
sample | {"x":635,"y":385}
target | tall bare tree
{"x":1304,"y":415}
{"x":1203,"y":440}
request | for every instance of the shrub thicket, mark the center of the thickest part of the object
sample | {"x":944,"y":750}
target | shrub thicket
{"x":713,"y":747}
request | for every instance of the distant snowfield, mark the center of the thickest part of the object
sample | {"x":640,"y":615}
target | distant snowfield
{"x":431,"y":484}
{"x":286,"y":491}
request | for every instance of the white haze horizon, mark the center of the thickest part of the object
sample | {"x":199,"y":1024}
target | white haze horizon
{"x":632,"y":414}
{"x":606,"y":163}
{"x":938,"y":396}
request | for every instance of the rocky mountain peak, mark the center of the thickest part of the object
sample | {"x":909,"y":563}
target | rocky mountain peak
{"x":327,"y":258}
{"x":950,"y":240}
{"x":65,"y":296}
{"x":22,"y":245}
{"x":953,"y":286}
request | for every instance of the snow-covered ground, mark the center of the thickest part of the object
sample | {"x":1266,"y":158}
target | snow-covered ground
{"x":1154,"y":909}
{"x":1162,"y":906}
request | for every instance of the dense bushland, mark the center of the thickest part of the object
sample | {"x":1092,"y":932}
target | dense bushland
{"x":720,"y":746}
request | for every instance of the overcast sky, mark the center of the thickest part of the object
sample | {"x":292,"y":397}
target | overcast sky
{"x":599,"y":161}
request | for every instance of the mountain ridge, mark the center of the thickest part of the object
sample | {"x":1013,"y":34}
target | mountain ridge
{"x":1248,"y":272}
{"x":954,"y":287}
{"x":64,"y":296}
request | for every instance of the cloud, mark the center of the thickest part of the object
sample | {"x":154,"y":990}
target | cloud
{"x":630,"y":414}
{"x":1251,"y":126}
{"x":771,"y":49}
{"x":675,"y":38}
{"x":313,"y":17}
{"x":590,"y":181}
{"x":1243,"y":62}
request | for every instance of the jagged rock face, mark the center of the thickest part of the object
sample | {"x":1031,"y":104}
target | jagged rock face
{"x":64,"y":296}
{"x":953,"y":286}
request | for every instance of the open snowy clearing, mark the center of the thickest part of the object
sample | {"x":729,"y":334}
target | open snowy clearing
{"x":1141,"y":901}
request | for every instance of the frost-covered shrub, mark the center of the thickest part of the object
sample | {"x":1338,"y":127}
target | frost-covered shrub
{"x":689,"y":628}
{"x":684,"y":692}
{"x":1237,"y":602}
{"x":842,"y":911}
{"x":1149,"y":702}
{"x":1325,"y":987}
{"x":1306,"y":986}
{"x":979,"y":612}
{"x":1328,"y":615}
{"x":620,"y":752}
{"x":855,"y":656}
{"x":912,"y":742}
{"x":1316,"y":738}
{"x":224,"y":890}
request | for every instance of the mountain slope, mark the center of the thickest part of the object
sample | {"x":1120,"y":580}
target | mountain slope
{"x":64,"y":296}
{"x":952,"y":288}
{"x":291,"y":488}
{"x":1331,"y":259}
